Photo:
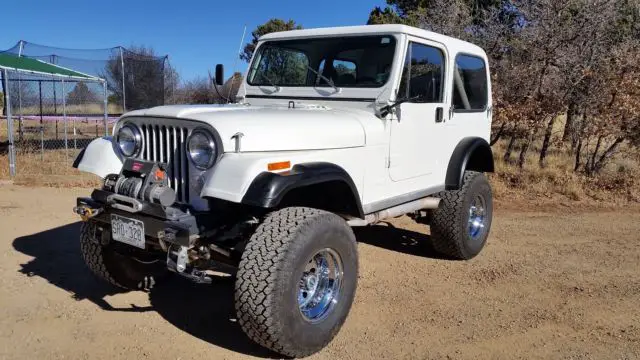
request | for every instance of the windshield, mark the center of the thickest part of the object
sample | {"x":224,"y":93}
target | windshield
{"x":360,"y":61}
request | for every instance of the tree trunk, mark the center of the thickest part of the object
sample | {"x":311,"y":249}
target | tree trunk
{"x":523,"y":152}
{"x":507,"y":153}
{"x":579,"y":124}
{"x":498,"y":135}
{"x":574,"y":142}
{"x":606,"y":156}
{"x":546,"y":142}
{"x":591,"y":163}
{"x":578,"y":150}
{"x":568,"y":133}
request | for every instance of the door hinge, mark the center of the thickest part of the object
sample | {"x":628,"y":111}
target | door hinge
{"x":388,"y":162}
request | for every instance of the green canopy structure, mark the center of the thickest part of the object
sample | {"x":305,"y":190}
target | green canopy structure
{"x":43,"y":72}
{"x":23,"y":64}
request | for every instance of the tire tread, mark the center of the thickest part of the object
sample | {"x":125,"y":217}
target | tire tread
{"x":257,"y":278}
{"x":92,"y":254}
{"x":447,"y":235}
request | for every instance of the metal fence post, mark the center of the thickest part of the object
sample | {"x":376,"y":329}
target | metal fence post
{"x":75,"y":137}
{"x":106,"y":111}
{"x":41,"y":122}
{"x":20,"y":127}
{"x":64,"y":119}
{"x":12,"y":154}
{"x":124,"y":96}
{"x":41,"y":142}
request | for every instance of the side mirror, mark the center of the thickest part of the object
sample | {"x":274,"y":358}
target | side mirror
{"x":219,"y":75}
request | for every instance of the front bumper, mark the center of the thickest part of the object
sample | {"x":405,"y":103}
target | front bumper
{"x":161,"y":225}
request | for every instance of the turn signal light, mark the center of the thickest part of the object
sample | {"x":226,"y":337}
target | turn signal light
{"x":160,"y":174}
{"x":283,"y":165}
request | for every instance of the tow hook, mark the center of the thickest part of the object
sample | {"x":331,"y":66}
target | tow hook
{"x":86,"y":212}
{"x":178,"y":262}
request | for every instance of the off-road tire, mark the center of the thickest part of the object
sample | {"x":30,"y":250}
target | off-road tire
{"x":449,"y":223}
{"x":117,"y":269}
{"x":270,"y":271}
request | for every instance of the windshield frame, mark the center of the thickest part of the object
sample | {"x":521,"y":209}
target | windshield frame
{"x":254,"y":64}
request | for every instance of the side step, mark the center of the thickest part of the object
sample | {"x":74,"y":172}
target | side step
{"x":421,"y":204}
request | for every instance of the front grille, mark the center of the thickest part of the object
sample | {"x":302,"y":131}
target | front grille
{"x":167,"y":144}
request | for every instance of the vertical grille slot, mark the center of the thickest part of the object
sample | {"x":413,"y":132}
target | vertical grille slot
{"x":166,"y":144}
{"x":183,"y":164}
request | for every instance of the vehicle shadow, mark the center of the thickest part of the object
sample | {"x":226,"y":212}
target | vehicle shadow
{"x":389,"y":237}
{"x":204,"y":311}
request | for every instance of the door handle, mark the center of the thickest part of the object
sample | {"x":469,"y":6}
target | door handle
{"x":439,"y":115}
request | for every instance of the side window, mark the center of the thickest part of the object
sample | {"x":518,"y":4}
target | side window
{"x":422,"y":77}
{"x":470,"y":84}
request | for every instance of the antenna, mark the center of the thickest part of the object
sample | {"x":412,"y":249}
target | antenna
{"x":235,"y":63}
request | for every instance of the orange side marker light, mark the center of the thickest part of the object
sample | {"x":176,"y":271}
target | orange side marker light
{"x":283,"y":165}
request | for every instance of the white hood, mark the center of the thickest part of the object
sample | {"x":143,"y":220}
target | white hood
{"x":272,"y":128}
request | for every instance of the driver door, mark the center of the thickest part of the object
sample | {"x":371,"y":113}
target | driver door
{"x":413,"y":146}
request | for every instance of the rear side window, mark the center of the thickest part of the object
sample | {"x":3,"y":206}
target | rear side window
{"x":470,"y":84}
{"x":422,"y":74}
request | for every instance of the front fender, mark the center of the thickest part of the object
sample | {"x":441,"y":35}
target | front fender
{"x":234,"y":173}
{"x":99,"y":158}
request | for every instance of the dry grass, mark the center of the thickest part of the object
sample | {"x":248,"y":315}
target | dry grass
{"x":84,"y":109}
{"x":50,"y":168}
{"x":617,"y":183}
{"x":52,"y":130}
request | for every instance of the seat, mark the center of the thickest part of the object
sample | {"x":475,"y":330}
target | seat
{"x":346,"y":79}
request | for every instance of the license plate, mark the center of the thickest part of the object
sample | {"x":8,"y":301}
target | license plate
{"x":128,"y":231}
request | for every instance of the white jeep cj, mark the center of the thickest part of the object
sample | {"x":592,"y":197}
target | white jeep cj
{"x":334,"y":128}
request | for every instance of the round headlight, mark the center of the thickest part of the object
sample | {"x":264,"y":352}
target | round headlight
{"x":129,"y":140}
{"x":202,"y":149}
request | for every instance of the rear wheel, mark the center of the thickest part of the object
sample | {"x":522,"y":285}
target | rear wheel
{"x":123,"y":271}
{"x":296,"y":280}
{"x":460,"y":226}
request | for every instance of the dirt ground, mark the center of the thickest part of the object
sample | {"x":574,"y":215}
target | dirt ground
{"x":554,"y":283}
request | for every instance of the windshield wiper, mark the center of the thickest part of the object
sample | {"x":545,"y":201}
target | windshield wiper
{"x":271,"y":82}
{"x":326,"y":79}
{"x":385,"y":110}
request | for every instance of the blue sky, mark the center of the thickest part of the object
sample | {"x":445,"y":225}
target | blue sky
{"x":195,"y":34}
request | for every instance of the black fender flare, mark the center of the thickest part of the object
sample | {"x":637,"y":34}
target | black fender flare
{"x":472,"y":153}
{"x":268,"y":189}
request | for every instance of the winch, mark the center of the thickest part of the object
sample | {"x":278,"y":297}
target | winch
{"x":142,"y":180}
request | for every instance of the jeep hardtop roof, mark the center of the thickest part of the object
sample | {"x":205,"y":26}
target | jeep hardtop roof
{"x":453,"y":44}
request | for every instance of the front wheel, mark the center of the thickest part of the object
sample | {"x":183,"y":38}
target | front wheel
{"x":296,"y":280}
{"x":460,"y":226}
{"x":126,"y":272}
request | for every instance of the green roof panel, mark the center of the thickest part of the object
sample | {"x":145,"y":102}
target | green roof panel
{"x":12,"y":62}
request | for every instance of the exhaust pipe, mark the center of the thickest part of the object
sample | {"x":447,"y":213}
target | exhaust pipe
{"x":422,"y":204}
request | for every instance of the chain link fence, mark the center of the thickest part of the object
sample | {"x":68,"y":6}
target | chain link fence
{"x":53,"y":120}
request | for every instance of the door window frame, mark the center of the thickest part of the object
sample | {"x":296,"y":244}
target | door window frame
{"x":444,"y":96}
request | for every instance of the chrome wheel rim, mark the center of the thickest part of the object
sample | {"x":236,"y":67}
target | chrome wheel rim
{"x":320,"y":285}
{"x":477,"y":217}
